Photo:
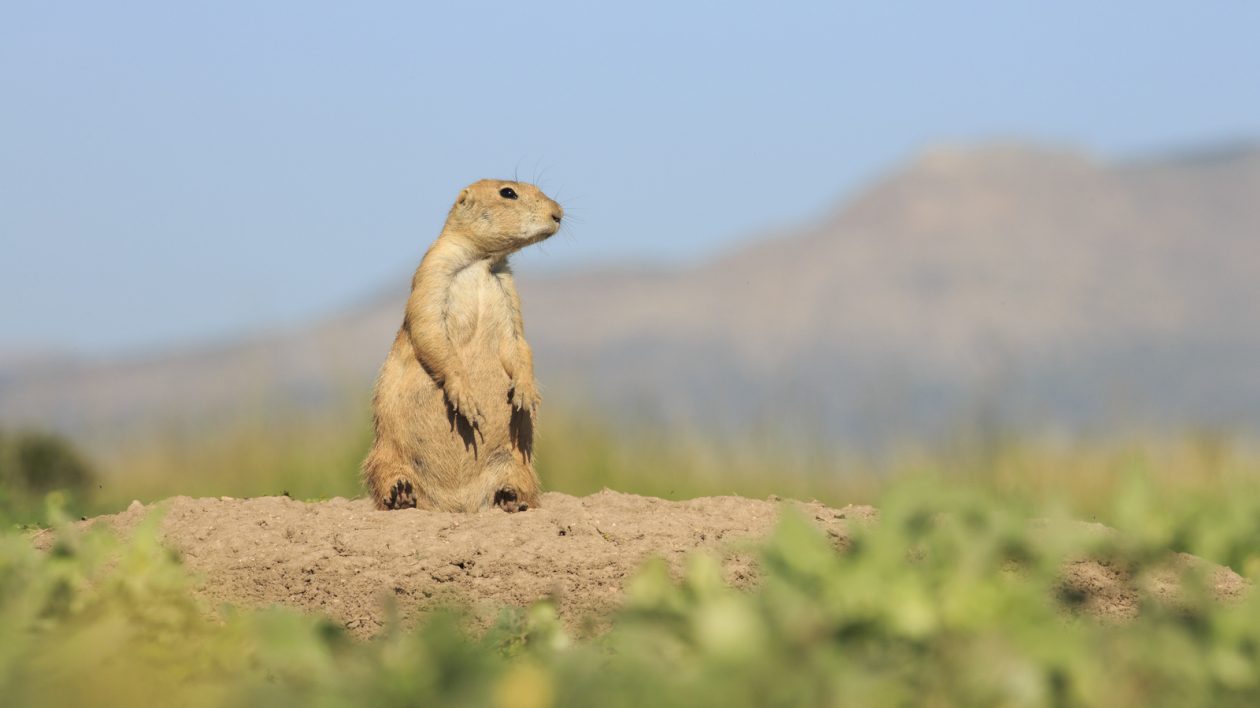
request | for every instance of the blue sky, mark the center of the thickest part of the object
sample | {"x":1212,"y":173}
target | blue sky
{"x":176,"y":172}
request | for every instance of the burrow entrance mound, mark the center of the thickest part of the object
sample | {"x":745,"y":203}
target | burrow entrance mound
{"x":344,"y":559}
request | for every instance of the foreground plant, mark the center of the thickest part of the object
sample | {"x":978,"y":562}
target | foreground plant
{"x":953,"y":598}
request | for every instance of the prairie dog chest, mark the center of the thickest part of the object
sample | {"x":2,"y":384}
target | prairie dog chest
{"x":478,"y":305}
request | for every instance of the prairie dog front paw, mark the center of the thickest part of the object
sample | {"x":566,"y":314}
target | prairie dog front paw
{"x":460,"y":397}
{"x":525,"y":396}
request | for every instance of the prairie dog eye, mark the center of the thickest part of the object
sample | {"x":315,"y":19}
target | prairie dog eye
{"x":507,"y":193}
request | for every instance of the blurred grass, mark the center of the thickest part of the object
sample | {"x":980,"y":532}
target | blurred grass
{"x":98,"y":622}
{"x":580,"y":452}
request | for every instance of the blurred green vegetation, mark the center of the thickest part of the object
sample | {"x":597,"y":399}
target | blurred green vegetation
{"x":580,"y":452}
{"x":34,"y":464}
{"x":948,"y":600}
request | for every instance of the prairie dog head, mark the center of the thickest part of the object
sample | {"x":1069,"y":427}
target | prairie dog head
{"x":501,"y":216}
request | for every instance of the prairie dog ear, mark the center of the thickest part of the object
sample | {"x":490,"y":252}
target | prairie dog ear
{"x":465,"y":199}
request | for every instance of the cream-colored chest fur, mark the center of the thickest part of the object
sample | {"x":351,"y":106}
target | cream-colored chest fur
{"x":479,"y":310}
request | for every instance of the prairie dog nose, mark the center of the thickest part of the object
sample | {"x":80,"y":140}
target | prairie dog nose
{"x":557,"y":215}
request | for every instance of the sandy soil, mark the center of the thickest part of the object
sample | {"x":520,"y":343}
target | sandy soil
{"x":356,"y":565}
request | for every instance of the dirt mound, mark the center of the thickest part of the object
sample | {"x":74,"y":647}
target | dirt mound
{"x":345,"y":559}
{"x":356,"y":565}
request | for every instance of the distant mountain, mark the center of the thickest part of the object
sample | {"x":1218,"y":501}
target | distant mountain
{"x":1026,"y":286}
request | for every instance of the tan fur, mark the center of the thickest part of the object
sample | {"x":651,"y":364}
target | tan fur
{"x":455,"y":402}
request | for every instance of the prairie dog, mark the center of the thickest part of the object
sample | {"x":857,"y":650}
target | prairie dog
{"x":455,"y":402}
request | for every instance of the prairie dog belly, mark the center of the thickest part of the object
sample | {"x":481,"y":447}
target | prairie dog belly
{"x":479,"y":321}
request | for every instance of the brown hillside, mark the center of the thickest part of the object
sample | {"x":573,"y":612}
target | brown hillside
{"x":1046,"y":286}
